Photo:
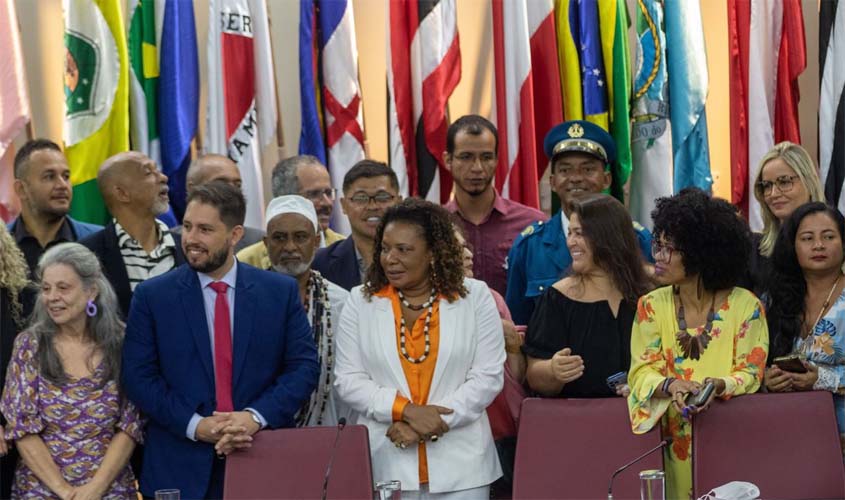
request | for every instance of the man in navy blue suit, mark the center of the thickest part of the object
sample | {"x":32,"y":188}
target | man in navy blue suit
{"x":215,"y":351}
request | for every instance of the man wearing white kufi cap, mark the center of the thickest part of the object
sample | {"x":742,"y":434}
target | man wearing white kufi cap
{"x":293,"y":236}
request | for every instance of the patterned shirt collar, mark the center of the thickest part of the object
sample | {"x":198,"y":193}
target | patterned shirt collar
{"x":165,"y":239}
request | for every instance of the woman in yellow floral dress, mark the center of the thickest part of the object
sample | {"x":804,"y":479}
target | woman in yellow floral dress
{"x":699,"y":327}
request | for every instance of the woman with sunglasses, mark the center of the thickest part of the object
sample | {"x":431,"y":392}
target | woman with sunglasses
{"x":698,"y":328}
{"x":787,"y":178}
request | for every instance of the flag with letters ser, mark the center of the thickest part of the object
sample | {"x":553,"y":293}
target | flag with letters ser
{"x":241,"y":92}
{"x":423,"y":68}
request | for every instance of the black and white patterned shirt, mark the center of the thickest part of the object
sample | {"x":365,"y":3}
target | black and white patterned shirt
{"x":140,"y":265}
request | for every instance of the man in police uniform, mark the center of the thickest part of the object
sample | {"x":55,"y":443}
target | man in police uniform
{"x":581,"y":154}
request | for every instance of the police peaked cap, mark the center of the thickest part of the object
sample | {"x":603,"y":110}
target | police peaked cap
{"x":580,"y":136}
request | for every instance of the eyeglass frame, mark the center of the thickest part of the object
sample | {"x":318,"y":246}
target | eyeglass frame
{"x":361,"y":203}
{"x":761,"y":187}
{"x":658,"y":249}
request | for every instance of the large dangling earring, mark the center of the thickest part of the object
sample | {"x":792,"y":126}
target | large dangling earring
{"x":91,"y":309}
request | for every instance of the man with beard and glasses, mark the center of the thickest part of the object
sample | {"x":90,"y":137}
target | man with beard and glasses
{"x":134,"y":246}
{"x":581,"y":155}
{"x":214,"y":352}
{"x":306,"y":176}
{"x":293,"y":236}
{"x":42,"y":183}
{"x":213,"y":167}
{"x":491,"y":222}
{"x":369,"y":189}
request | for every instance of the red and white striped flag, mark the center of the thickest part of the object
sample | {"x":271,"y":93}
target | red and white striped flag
{"x":14,"y":106}
{"x":767,"y":55}
{"x":525,"y":54}
{"x":241,"y":93}
{"x":423,"y":68}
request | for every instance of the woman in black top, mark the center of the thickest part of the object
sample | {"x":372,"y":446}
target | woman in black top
{"x":580,"y":332}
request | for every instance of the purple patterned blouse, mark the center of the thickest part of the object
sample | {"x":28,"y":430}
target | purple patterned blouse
{"x":76,"y":421}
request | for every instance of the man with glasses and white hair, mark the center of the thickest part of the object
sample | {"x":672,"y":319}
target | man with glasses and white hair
{"x":369,"y":189}
{"x":293,"y":237}
{"x":305,"y":176}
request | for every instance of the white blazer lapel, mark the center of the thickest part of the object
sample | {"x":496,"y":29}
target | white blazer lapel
{"x":385,"y":330}
{"x":450,"y":326}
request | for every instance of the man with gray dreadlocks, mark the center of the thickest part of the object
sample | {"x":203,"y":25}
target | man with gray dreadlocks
{"x":293,"y":236}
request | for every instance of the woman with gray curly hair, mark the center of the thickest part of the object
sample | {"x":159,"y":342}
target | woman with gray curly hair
{"x":13,"y":280}
{"x":71,"y":425}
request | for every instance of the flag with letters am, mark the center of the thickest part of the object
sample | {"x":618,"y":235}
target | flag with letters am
{"x":241,"y":93}
{"x":96,"y":84}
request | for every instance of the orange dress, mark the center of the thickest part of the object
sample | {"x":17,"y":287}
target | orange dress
{"x":418,"y":375}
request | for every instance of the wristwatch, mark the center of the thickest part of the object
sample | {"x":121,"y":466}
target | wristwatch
{"x":255,"y":419}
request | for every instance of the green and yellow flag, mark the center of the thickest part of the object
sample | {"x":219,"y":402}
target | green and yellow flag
{"x":96,"y":98}
{"x":595,"y":72}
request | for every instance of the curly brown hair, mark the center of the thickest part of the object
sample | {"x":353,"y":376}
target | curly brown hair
{"x":13,"y":271}
{"x":447,"y":276}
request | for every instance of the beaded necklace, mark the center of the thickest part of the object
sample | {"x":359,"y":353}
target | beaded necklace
{"x":317,"y":292}
{"x":403,"y":329}
{"x":693,"y":346}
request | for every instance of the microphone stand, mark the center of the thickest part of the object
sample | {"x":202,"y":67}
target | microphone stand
{"x":664,"y":443}
{"x":341,"y":423}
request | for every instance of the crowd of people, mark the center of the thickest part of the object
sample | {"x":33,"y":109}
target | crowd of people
{"x":137,"y":357}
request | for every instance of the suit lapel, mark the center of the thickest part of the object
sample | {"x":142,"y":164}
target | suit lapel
{"x":448,"y":326}
{"x":115,"y":267}
{"x":386,"y":333}
{"x":194,"y":308}
{"x":245,"y":301}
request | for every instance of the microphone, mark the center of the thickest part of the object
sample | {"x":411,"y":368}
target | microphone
{"x":664,"y":443}
{"x":341,"y":423}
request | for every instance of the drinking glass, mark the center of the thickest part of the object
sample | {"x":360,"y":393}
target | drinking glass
{"x":389,"y":490}
{"x":167,"y":494}
{"x":652,"y":485}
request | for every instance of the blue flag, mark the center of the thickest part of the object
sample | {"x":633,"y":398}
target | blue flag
{"x":178,"y":97}
{"x":688,"y":82}
{"x":311,"y":138}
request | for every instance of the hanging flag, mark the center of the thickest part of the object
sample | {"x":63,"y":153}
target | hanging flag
{"x":424,"y":67}
{"x":178,"y":95}
{"x":614,"y":36}
{"x":545,"y":71}
{"x":516,"y":172}
{"x":14,"y":103}
{"x":652,"y":176}
{"x":767,"y":55}
{"x":595,"y":71}
{"x":96,"y":84}
{"x":739,"y":25}
{"x":241,"y":88}
{"x":832,"y":101}
{"x":688,"y":84}
{"x":311,"y":137}
{"x":143,"y":78}
{"x":335,"y":81}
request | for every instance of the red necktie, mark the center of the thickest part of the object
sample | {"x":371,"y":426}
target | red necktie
{"x":222,"y":348}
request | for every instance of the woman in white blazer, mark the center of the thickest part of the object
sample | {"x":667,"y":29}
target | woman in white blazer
{"x":420,"y":354}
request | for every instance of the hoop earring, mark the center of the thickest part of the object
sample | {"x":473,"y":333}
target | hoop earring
{"x":91,"y":309}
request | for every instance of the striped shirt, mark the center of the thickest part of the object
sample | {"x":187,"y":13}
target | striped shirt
{"x":140,"y":265}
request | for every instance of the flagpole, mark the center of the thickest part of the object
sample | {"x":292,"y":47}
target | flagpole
{"x":366,"y":144}
{"x":280,"y":133}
